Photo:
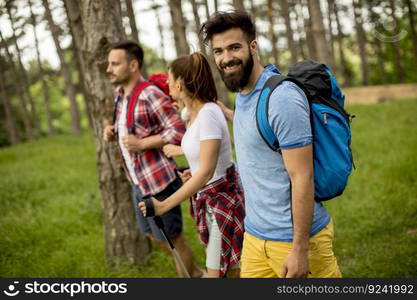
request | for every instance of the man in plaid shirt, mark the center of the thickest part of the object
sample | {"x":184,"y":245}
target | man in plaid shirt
{"x":156,"y":123}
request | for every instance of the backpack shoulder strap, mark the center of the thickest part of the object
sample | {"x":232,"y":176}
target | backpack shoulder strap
{"x":262,"y":106}
{"x":262,"y":121}
{"x":132,"y":104}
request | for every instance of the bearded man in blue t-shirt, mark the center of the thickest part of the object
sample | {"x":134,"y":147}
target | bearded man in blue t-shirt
{"x":288,"y":234}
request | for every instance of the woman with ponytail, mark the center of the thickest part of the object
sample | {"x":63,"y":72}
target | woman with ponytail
{"x":217,"y":203}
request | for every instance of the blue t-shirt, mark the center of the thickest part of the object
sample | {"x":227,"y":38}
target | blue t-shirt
{"x":265,"y":180}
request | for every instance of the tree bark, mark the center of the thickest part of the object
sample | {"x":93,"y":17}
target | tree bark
{"x":311,"y":45}
{"x":45,"y":88}
{"x":288,"y":30}
{"x":222,"y":91}
{"x":357,"y":10}
{"x":178,"y":27}
{"x":102,"y":26}
{"x":301,"y":28}
{"x":238,"y":4}
{"x":156,"y":7}
{"x":343,"y":64}
{"x":65,"y":71}
{"x":330,"y":14}
{"x":135,"y":31}
{"x":34,"y":120}
{"x":272,"y":35}
{"x":77,"y":34}
{"x":8,"y":111}
{"x":397,"y":49}
{"x":21,"y":95}
{"x":319,"y":33}
{"x":412,"y":26}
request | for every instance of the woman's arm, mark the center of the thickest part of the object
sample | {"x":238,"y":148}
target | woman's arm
{"x":209,"y":153}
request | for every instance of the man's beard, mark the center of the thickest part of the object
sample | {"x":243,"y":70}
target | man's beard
{"x":119,"y":80}
{"x":236,"y":81}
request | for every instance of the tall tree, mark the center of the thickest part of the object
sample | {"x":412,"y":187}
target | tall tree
{"x":311,"y":45}
{"x":272,"y":34}
{"x":178,"y":27}
{"x":330,"y":14}
{"x":65,"y":71}
{"x":42,"y":74}
{"x":412,"y":26}
{"x":77,"y":34}
{"x":374,"y":18}
{"x":285,"y":13}
{"x":238,"y":4}
{"x":8,"y":111}
{"x":102,"y":26}
{"x":360,"y":33}
{"x":341,"y":47}
{"x":23,"y":107}
{"x":222,"y":92}
{"x":396,"y":47}
{"x":133,"y":27}
{"x":156,"y":7}
{"x":319,"y":33}
{"x":297,"y":8}
{"x":34,"y":120}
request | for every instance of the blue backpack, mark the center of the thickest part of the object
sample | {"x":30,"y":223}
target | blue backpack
{"x":329,"y":122}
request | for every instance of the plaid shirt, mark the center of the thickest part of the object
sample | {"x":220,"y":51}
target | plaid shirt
{"x":153,"y":114}
{"x":225,"y":196}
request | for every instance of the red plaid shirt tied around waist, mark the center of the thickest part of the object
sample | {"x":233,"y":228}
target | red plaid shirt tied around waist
{"x":225,"y":196}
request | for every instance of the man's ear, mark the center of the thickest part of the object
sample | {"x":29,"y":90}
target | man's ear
{"x":253,"y":46}
{"x":134,"y":65}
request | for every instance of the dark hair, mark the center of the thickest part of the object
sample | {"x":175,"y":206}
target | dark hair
{"x":195,"y":71}
{"x":224,"y":20}
{"x":133,"y":50}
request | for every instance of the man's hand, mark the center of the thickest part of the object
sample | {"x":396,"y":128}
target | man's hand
{"x":108,"y":133}
{"x":295,"y":265}
{"x":171,"y":150}
{"x":132,"y":143}
{"x":185,"y":175}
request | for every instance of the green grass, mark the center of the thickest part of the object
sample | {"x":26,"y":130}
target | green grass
{"x":51,"y":220}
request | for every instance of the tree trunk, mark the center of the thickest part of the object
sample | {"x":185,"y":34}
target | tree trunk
{"x":198,"y":26}
{"x":311,"y":45}
{"x":343,"y":64}
{"x":45,"y":88}
{"x":288,"y":30}
{"x":77,"y":34}
{"x":34,"y":120}
{"x":380,"y":61}
{"x":238,"y":4}
{"x":397,"y":49}
{"x":319,"y":33}
{"x":134,"y":29}
{"x":65,"y":71}
{"x":8,"y":111}
{"x":301,"y":28}
{"x":21,"y":95}
{"x":272,"y":35}
{"x":102,"y":26}
{"x":357,"y":10}
{"x":222,"y":91}
{"x":178,"y":26}
{"x":206,"y":7}
{"x":412,"y":26}
{"x":156,"y":7}
{"x":330,"y":13}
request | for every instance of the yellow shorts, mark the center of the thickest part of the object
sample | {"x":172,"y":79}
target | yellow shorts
{"x":264,"y":259}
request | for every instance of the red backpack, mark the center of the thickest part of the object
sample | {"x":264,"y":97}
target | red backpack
{"x":160,"y":80}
